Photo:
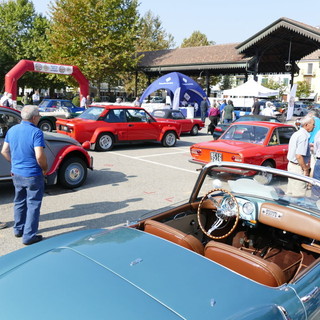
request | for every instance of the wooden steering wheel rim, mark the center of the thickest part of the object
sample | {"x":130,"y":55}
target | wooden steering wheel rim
{"x":199,"y":212}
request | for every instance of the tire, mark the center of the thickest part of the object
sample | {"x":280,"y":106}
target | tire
{"x":194,"y":131}
{"x":268,"y":176}
{"x":45,"y":125}
{"x":105,"y":142}
{"x":169,"y":139}
{"x":72,"y":173}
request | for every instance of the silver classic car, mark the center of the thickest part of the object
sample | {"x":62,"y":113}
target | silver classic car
{"x":237,"y":249}
{"x":68,"y":161}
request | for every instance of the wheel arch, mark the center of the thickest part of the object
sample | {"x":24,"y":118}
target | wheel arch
{"x":69,"y":152}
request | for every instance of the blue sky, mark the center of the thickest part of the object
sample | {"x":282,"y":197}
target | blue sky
{"x":221,"y":21}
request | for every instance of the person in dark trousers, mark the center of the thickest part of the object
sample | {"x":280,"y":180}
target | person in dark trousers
{"x":214,"y":116}
{"x":228,"y":113}
{"x":203,"y":108}
{"x":255,"y":109}
{"x":24,"y":148}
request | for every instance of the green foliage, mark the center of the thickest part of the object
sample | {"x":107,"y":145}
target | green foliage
{"x":23,"y":37}
{"x":303,"y":89}
{"x":76,"y":101}
{"x":275,"y":85}
{"x":97,"y":36}
{"x":151,"y":35}
{"x":227,"y":82}
{"x":197,"y":39}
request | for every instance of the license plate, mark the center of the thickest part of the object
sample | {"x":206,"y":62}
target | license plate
{"x":216,"y":156}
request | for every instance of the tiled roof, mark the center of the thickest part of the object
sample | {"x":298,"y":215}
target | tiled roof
{"x":225,"y":53}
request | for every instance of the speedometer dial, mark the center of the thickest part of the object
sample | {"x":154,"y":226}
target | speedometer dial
{"x":248,"y":208}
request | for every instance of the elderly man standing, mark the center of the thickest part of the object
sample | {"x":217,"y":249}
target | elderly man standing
{"x":299,"y":156}
{"x":24,"y":148}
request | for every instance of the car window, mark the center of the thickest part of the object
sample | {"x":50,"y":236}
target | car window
{"x":159,"y":113}
{"x":44,"y":103}
{"x":7,"y":120}
{"x":136,"y":115}
{"x":115,"y":116}
{"x":92,"y":113}
{"x":246,"y":133}
{"x":67,"y":104}
{"x":285,"y":134}
{"x":177,"y":115}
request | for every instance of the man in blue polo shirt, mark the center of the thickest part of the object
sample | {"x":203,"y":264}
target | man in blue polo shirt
{"x":24,"y":148}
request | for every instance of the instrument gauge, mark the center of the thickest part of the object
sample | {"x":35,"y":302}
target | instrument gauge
{"x":248,"y":208}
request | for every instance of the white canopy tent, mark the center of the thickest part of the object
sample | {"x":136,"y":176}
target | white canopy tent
{"x":251,"y":88}
{"x":243,"y":95}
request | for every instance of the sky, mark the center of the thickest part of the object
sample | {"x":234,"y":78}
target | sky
{"x":223,"y":22}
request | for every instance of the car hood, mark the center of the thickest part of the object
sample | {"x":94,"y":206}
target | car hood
{"x":122,"y":273}
{"x":53,"y":136}
{"x":227,"y":146}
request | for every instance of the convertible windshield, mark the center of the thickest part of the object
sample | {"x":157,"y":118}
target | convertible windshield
{"x":246,"y":133}
{"x":254,"y":184}
{"x":93,"y":113}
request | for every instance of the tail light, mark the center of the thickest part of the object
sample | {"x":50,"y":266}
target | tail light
{"x":236,"y":158}
{"x":196,"y":152}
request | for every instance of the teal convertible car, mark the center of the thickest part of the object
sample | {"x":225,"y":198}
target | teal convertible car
{"x":237,"y":249}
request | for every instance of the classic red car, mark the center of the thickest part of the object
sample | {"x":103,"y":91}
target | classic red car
{"x":104,"y":125}
{"x":191,"y":126}
{"x":260,"y":143}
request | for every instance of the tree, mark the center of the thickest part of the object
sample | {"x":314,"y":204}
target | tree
{"x":23,"y":37}
{"x":151,"y":35}
{"x":97,"y":36}
{"x":227,"y":82}
{"x":275,"y":85}
{"x":197,"y":39}
{"x":303,"y":89}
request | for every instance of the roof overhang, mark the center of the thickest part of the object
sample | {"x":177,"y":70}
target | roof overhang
{"x":277,"y":43}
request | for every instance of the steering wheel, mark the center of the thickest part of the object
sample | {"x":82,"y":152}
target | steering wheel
{"x":225,"y":210}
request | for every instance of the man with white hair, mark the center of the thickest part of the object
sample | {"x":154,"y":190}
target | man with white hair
{"x":24,"y":148}
{"x":299,"y":156}
{"x":268,"y":110}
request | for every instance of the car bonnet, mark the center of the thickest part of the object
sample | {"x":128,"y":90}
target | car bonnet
{"x":123,"y":274}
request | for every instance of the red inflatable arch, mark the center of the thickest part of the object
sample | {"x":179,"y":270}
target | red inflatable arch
{"x":23,"y":66}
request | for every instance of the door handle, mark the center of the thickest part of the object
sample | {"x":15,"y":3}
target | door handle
{"x":130,"y":125}
{"x":310,"y":295}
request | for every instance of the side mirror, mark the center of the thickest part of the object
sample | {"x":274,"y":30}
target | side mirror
{"x":86,"y":145}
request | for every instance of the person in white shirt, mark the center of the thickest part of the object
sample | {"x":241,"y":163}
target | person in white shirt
{"x":36,"y":98}
{"x":83,"y":102}
{"x":268,"y":110}
{"x":3,"y":98}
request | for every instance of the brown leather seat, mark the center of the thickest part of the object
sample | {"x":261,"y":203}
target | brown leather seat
{"x":250,"y":266}
{"x":164,"y":231}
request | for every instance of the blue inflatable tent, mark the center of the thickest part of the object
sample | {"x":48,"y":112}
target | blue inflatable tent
{"x":179,"y":87}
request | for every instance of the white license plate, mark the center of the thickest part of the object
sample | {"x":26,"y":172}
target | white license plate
{"x":216,"y":156}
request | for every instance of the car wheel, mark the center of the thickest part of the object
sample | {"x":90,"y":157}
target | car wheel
{"x":169,"y":139}
{"x":194,"y":131}
{"x":45,"y":125}
{"x":104,"y":142}
{"x":268,"y":176}
{"x":72,"y":173}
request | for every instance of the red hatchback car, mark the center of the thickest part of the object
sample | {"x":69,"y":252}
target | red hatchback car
{"x":258,"y":142}
{"x":105,"y":125}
